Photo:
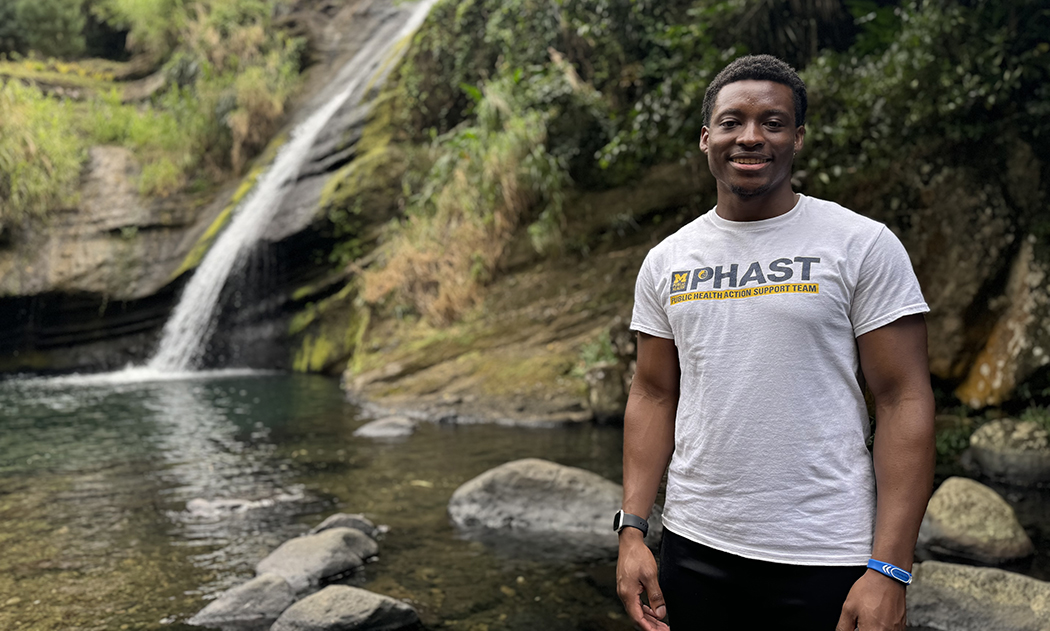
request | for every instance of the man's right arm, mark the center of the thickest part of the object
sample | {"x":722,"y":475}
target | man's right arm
{"x":648,"y":441}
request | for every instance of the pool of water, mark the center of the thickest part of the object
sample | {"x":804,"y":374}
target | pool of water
{"x":95,"y":477}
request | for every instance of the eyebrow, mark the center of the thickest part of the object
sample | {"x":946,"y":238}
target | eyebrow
{"x":737,"y":112}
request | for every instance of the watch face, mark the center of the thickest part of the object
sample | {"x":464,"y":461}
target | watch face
{"x":617,"y":518}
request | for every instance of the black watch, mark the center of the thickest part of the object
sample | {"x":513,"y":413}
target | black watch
{"x":623,"y":520}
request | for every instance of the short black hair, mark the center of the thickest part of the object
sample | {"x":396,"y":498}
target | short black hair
{"x":757,"y":68}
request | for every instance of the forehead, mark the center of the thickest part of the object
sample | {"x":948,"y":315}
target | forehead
{"x":757,"y":96}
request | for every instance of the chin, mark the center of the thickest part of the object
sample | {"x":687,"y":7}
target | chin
{"x":748,"y":193}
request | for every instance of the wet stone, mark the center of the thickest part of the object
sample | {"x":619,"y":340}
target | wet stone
{"x":253,"y":606}
{"x":345,"y":520}
{"x":344,"y":608}
{"x":305,"y":561}
{"x":390,"y":427}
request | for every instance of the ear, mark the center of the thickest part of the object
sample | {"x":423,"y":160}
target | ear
{"x":800,"y":136}
{"x":704,"y":132}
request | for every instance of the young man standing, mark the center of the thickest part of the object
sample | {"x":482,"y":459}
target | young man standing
{"x":758,"y":325}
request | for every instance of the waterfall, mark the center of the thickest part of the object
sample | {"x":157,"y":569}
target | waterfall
{"x":187,"y":330}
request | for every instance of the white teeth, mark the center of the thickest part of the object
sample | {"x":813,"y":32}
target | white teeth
{"x":749,"y":161}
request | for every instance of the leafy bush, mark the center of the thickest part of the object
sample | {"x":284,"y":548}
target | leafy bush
{"x":485,"y":180}
{"x":49,"y":27}
{"x":39,"y":158}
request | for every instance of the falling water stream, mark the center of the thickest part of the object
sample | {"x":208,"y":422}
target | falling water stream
{"x":187,"y":330}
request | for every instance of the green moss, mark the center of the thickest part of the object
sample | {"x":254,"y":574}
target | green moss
{"x":327,"y":332}
{"x":313,"y":354}
{"x":196,"y":255}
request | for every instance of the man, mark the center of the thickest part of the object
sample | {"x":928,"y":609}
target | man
{"x":758,"y":325}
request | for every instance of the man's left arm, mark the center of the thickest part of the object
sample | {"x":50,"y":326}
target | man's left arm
{"x":895,"y":365}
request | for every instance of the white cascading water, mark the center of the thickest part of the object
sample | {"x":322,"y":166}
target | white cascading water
{"x":187,"y":330}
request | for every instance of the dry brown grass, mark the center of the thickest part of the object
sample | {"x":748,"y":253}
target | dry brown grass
{"x":453,"y":241}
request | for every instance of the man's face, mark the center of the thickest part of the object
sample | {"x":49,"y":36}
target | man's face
{"x":752,"y":138}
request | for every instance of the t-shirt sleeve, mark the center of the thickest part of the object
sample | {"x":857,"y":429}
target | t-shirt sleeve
{"x":887,"y":288}
{"x":649,"y":315}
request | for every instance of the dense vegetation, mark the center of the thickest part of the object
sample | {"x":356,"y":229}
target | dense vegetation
{"x":222,"y":75}
{"x":514,"y":102}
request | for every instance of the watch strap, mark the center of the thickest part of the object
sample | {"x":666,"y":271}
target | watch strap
{"x":626,"y":520}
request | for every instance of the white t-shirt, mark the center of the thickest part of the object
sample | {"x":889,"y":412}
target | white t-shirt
{"x":770,"y":458}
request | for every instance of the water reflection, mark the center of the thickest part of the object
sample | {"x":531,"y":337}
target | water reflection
{"x":132,"y":503}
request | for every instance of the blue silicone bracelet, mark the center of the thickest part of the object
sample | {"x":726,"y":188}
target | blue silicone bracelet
{"x":890,"y":570}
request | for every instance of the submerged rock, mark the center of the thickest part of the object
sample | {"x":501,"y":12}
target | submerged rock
{"x":344,"y":520}
{"x":253,"y":606}
{"x":1013,"y":451}
{"x":305,"y":561}
{"x":343,"y":608}
{"x":966,"y":519}
{"x":964,"y":598}
{"x":534,"y":497}
{"x":390,"y":427}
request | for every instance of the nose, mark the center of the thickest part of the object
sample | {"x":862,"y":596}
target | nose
{"x":750,"y":134}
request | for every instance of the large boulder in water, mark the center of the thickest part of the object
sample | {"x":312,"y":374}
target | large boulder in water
{"x":542,"y":501}
{"x":964,"y":598}
{"x":253,"y":606}
{"x":305,"y":561}
{"x":1013,"y":451}
{"x":968,"y":520}
{"x":344,"y":608}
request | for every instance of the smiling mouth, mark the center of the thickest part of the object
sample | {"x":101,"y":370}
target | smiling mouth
{"x":750,"y":160}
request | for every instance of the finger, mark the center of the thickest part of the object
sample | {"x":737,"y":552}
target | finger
{"x":847,"y":621}
{"x":656,"y":596}
{"x":632,"y":603}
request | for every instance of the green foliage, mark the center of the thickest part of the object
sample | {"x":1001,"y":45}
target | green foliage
{"x":968,"y":75}
{"x":49,"y":27}
{"x":152,"y":25}
{"x":228,"y":83}
{"x":485,"y":181}
{"x":39,"y":158}
{"x":1037,"y":414}
{"x":951,"y":442}
{"x":597,"y":351}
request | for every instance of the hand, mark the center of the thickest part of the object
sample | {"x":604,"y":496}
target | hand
{"x":636,"y":574}
{"x":875,"y":603}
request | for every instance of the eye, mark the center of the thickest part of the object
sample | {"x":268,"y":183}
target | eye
{"x":774,"y":124}
{"x":728,"y":124}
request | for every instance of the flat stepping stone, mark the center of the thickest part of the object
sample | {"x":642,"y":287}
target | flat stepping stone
{"x":966,"y":519}
{"x":965,"y":598}
{"x":344,"y":608}
{"x":248,"y":607}
{"x":390,"y":427}
{"x":305,"y":561}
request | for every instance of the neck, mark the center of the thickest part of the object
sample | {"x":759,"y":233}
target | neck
{"x":734,"y":207}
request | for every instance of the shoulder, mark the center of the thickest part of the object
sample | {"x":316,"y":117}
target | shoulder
{"x":831,"y":215}
{"x":683,"y":237}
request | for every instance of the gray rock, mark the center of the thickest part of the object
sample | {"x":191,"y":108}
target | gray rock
{"x":966,"y":519}
{"x":252,"y":606}
{"x":538,"y":497}
{"x":344,"y":520}
{"x":304,"y":561}
{"x":1013,"y":451}
{"x":953,"y":597}
{"x":390,"y":427}
{"x":343,"y":608}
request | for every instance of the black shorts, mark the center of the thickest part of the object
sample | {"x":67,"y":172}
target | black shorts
{"x":707,"y":589}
